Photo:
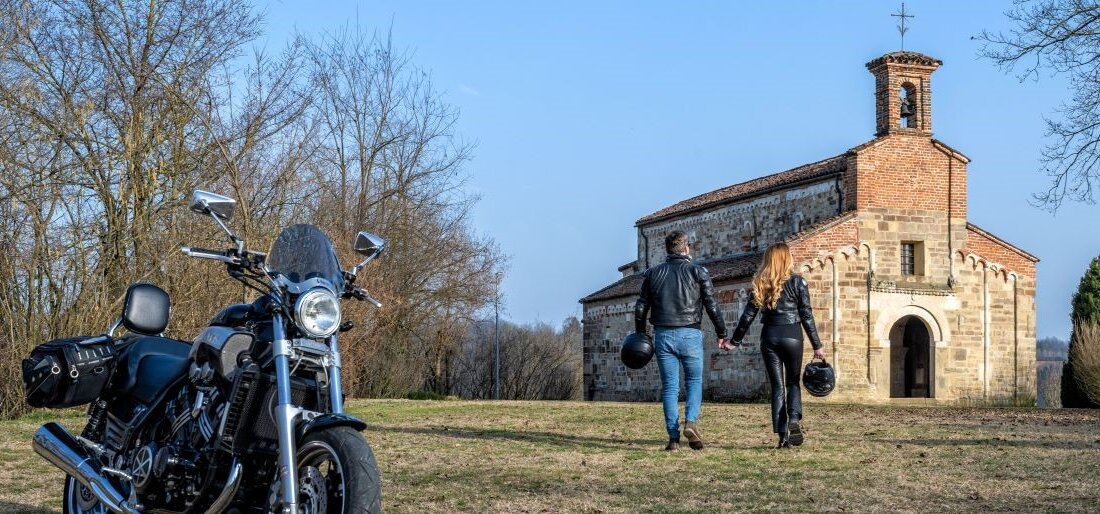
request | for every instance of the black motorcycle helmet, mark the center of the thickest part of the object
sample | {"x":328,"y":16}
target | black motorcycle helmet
{"x":637,"y":350}
{"x":819,"y":378}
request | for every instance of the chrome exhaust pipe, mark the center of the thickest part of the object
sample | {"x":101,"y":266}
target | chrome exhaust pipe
{"x":61,"y":449}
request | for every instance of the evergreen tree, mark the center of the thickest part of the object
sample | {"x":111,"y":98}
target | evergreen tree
{"x":1085,"y":307}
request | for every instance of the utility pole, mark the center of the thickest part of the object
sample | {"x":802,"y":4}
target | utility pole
{"x":496,"y":347}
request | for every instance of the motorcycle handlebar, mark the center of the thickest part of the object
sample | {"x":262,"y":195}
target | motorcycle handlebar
{"x":204,"y":253}
{"x":361,"y":294}
{"x":190,"y":250}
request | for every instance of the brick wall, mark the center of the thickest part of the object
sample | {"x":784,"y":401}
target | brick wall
{"x":994,"y":250}
{"x":910,"y":171}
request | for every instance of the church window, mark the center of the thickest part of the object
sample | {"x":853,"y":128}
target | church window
{"x":907,"y":267}
{"x":912,"y":258}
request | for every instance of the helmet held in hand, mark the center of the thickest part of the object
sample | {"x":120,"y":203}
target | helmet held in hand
{"x":819,"y":378}
{"x":637,"y":350}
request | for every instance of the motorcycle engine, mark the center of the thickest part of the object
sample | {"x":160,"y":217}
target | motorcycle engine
{"x":168,"y":469}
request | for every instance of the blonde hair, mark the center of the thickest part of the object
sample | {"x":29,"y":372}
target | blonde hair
{"x":768,"y":282}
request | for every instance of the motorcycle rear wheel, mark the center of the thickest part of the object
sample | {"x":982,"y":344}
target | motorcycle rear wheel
{"x":77,"y":499}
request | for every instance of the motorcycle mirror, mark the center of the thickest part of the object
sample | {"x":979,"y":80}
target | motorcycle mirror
{"x":218,"y":207}
{"x":369,"y":245}
{"x":212,"y":204}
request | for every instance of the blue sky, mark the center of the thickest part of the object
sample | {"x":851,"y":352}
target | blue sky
{"x":589,"y":115}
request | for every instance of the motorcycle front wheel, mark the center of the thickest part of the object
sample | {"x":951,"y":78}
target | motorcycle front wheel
{"x":337,"y":474}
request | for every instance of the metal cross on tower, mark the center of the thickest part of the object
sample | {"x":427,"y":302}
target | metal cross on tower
{"x":902,"y":29}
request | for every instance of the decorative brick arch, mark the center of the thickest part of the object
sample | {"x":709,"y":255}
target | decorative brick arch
{"x":939,"y":330}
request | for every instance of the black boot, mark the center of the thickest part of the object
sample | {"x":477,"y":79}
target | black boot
{"x":796,"y":436}
{"x":784,"y":441}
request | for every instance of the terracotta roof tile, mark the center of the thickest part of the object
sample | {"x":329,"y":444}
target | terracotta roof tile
{"x":903,"y":57}
{"x":752,"y":187}
{"x":720,"y":270}
{"x":627,"y":286}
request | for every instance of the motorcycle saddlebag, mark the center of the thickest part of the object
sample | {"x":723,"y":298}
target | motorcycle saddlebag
{"x":68,"y":372}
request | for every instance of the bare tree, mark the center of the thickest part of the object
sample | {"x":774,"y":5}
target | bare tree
{"x":388,"y":160}
{"x":112,"y":112}
{"x":1061,"y":37}
{"x":101,"y":118}
{"x":537,"y":362}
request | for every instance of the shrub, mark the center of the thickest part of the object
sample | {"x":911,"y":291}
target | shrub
{"x":1085,"y":310}
{"x":1085,"y":356}
{"x":424,"y":395}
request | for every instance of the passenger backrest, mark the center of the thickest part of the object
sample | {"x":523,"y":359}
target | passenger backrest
{"x":146,"y":309}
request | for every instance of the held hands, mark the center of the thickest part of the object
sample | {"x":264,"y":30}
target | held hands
{"x":727,"y":344}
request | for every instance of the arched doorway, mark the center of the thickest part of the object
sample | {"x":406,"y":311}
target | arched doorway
{"x":911,"y":365}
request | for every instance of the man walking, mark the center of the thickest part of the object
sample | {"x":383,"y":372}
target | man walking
{"x":673,"y":297}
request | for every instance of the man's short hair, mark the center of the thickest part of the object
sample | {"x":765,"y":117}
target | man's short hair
{"x":676,"y":242}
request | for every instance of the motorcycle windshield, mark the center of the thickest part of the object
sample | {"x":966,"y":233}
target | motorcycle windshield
{"x":302,"y":252}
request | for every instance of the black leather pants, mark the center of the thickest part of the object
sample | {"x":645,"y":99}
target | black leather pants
{"x":783,"y":362}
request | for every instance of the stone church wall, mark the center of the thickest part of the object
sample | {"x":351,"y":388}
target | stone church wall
{"x":746,"y":226}
{"x":860,"y":348}
{"x":1008,"y":298}
{"x":727,"y":375}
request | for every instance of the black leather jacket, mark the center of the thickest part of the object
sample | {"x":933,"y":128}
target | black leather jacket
{"x":674,"y":294}
{"x":793,"y":307}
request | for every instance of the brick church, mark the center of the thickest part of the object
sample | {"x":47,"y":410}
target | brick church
{"x":912,"y":300}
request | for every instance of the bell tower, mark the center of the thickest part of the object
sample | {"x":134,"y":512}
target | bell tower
{"x":903,"y":93}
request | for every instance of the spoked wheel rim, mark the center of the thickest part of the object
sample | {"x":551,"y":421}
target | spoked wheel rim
{"x":80,"y":500}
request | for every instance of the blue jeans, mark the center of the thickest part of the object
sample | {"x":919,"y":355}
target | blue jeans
{"x":675,"y":347}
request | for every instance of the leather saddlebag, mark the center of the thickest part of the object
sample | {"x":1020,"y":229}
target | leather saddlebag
{"x":68,"y":372}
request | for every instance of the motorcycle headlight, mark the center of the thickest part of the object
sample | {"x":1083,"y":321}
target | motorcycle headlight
{"x":318,"y":313}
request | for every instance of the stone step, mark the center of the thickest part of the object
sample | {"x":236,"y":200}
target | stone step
{"x":914,"y":402}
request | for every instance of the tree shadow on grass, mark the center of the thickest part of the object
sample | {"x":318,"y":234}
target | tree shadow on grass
{"x":19,"y":508}
{"x":994,"y":443}
{"x":539,"y":437}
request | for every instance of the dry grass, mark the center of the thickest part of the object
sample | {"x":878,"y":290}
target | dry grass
{"x":455,"y":456}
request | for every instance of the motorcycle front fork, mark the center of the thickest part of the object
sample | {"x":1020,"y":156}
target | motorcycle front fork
{"x":287,"y":414}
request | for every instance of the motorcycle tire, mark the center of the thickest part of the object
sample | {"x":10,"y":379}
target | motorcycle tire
{"x":354,"y":460}
{"x":78,"y":500}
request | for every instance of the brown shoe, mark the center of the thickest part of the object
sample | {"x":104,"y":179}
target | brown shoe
{"x":672,"y":446}
{"x":695,"y":438}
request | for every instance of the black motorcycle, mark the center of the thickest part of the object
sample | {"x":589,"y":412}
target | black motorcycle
{"x":248,"y":417}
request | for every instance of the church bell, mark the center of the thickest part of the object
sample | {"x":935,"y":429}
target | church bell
{"x":906,"y":108}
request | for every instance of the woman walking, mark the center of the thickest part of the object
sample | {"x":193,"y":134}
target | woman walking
{"x":784,"y":298}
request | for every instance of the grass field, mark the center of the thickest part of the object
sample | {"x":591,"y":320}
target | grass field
{"x":458,"y":456}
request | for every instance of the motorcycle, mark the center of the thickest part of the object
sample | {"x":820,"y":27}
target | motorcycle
{"x":247,"y":418}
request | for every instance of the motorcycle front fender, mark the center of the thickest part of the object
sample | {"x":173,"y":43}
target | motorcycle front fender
{"x":328,"y":421}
